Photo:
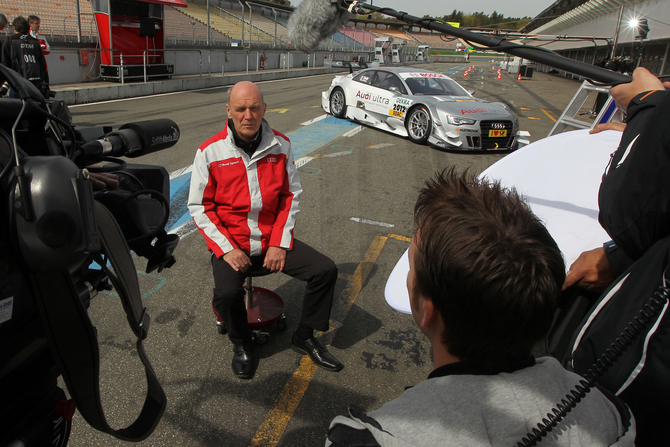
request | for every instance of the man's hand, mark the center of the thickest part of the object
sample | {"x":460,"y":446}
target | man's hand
{"x":590,"y":271}
{"x":275,"y":258}
{"x":238,"y":260}
{"x":103,"y":180}
{"x":643,"y":81}
{"x":608,"y":126}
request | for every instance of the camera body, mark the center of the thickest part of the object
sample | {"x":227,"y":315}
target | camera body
{"x":47,"y":224}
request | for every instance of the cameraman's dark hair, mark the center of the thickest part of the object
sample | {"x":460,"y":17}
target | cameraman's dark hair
{"x":488,"y":264}
{"x":21,"y":25}
{"x":3,"y":21}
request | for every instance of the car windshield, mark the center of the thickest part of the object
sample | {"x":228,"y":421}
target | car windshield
{"x":435,"y":86}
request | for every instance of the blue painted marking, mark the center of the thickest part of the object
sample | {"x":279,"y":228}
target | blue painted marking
{"x":178,"y":201}
{"x":161,"y":282}
{"x":304,"y":141}
{"x":309,"y":138}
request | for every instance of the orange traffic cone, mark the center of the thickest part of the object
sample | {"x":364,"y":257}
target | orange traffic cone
{"x":499,"y":76}
{"x":518,"y":78}
{"x":465,"y":75}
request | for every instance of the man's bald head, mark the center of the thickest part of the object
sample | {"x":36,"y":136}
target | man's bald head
{"x":244,"y":87}
{"x":246,"y":108}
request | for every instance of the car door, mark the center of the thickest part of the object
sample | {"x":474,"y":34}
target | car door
{"x":382,"y":98}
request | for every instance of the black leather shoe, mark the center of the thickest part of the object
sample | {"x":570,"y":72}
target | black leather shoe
{"x":243,"y":361}
{"x":319,"y":355}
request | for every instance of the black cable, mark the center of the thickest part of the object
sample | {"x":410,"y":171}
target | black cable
{"x":608,"y":358}
{"x":59,"y":121}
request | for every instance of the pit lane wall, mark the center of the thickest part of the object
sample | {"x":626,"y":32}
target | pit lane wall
{"x":193,"y":69}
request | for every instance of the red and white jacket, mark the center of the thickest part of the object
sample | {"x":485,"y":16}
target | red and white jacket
{"x":241,"y":202}
{"x":46,"y":48}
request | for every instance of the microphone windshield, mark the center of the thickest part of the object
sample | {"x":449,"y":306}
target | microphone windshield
{"x":314,"y":20}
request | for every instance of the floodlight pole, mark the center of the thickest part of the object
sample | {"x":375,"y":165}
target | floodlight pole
{"x":616,"y":34}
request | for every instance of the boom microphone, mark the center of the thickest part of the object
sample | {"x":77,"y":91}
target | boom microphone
{"x":315,"y":20}
{"x":134,"y":139}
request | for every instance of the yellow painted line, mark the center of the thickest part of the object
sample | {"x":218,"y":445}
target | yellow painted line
{"x":270,"y":432}
{"x":533,"y":118}
{"x":400,"y":238}
{"x":278,"y":110}
{"x":524,"y":108}
{"x":275,"y":423}
{"x":549,"y":115}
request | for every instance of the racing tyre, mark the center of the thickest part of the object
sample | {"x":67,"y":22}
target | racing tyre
{"x":338,"y":105}
{"x":419,"y":125}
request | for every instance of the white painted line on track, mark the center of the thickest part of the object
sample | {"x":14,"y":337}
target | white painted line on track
{"x":318,"y":118}
{"x":372,"y":222}
{"x":303,"y":161}
{"x":353,"y":132}
{"x":185,"y":229}
{"x":180,"y":172}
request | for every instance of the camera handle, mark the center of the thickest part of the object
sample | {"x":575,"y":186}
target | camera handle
{"x":73,"y":339}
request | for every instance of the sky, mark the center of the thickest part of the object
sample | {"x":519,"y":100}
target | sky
{"x":439,"y":8}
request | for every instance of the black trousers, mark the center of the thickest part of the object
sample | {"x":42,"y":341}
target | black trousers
{"x":303,"y":263}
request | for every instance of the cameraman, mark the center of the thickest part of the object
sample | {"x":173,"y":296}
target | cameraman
{"x":22,"y":53}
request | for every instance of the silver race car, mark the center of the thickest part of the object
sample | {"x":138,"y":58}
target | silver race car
{"x":425,"y":106}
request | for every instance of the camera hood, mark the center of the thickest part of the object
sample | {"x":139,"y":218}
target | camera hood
{"x":61,"y":230}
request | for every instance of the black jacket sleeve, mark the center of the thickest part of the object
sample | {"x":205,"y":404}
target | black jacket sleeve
{"x":634,"y":196}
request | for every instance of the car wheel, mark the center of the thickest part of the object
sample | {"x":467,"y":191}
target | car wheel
{"x":419,"y":125}
{"x":338,"y":106}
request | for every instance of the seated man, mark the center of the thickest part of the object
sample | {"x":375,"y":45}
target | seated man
{"x":484,"y":279}
{"x":244,"y":198}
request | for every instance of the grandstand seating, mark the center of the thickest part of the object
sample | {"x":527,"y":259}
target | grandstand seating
{"x":435,"y":41}
{"x":179,"y":29}
{"x":230,"y":24}
{"x":58,"y":18}
{"x":397,"y":35}
{"x":360,"y":35}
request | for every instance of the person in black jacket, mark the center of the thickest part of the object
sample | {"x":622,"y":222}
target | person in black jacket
{"x":634,"y":203}
{"x":633,"y":197}
{"x":22,"y":53}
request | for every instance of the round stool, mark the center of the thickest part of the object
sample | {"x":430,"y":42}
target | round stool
{"x":264,"y":307}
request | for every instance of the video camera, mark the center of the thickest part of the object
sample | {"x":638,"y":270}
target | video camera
{"x":57,"y":240}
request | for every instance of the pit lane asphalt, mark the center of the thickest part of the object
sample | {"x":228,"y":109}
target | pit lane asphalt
{"x":367,"y":175}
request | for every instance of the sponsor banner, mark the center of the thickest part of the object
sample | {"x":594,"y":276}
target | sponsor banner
{"x":423,"y":75}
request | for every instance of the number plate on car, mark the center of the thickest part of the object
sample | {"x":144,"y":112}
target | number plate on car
{"x":497,"y":133}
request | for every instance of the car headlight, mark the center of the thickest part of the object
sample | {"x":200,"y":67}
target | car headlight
{"x":460,"y":121}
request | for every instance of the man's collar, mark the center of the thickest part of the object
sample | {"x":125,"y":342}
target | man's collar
{"x":463,"y":368}
{"x":243,"y":144}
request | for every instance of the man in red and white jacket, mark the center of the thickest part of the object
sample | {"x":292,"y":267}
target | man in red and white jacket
{"x":244,"y":197}
{"x":34,"y":23}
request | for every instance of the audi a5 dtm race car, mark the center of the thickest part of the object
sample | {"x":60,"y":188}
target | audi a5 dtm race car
{"x":425,"y":106}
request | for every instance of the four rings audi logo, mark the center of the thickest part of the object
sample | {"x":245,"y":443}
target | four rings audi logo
{"x":498,"y":126}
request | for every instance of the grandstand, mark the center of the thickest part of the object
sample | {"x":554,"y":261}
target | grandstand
{"x":179,"y":28}
{"x":361,"y":36}
{"x":58,"y":18}
{"x":435,"y":40}
{"x":230,"y":24}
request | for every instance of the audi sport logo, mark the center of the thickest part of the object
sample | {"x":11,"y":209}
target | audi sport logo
{"x":498,"y":126}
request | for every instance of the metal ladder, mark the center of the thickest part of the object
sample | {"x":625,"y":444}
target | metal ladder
{"x":569,"y":116}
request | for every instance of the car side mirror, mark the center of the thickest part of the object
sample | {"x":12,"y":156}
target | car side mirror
{"x":394,"y":90}
{"x":472,"y":92}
